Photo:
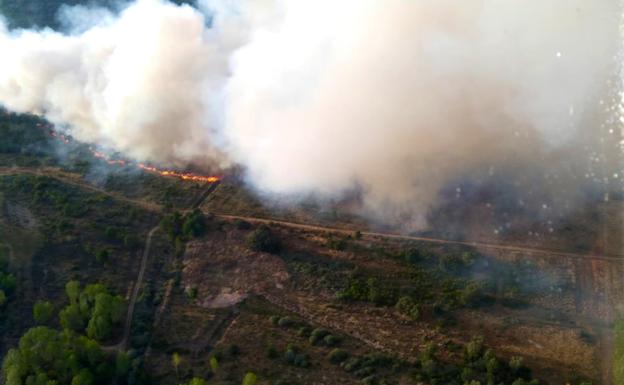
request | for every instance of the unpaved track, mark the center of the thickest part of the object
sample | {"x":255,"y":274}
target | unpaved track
{"x":493,"y":246}
{"x":136,"y":289}
{"x":67,"y":178}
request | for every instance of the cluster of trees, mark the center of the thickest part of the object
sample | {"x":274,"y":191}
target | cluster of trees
{"x":181,"y":228}
{"x":480,"y":366}
{"x":92,"y":310}
{"x":369,"y":289}
{"x":45,"y":356}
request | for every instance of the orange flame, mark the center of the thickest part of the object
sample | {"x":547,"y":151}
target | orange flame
{"x":119,"y":162}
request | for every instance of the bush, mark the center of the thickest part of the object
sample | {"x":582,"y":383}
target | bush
{"x":263,"y":239}
{"x":337,"y":244}
{"x":102,"y":256}
{"x":233,"y":350}
{"x":317,"y":334}
{"x":406,"y":306}
{"x":285,"y":322}
{"x":337,"y":356}
{"x":472,"y":295}
{"x":303,"y":331}
{"x":331,"y":340}
{"x":242,"y":225}
{"x":473,"y":350}
{"x":271,"y":352}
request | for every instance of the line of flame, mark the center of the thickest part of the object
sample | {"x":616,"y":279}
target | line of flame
{"x":187,"y":176}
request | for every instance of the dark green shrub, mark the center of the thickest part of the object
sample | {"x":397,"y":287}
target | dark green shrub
{"x":271,"y":352}
{"x":337,"y":356}
{"x":233,"y":350}
{"x":263,"y":239}
{"x":317,"y":334}
{"x":286,"y":322}
{"x":303,"y":331}
{"x":406,"y":306}
{"x":331,"y":340}
{"x":242,"y":225}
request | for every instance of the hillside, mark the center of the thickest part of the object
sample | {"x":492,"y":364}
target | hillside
{"x":222,"y":296}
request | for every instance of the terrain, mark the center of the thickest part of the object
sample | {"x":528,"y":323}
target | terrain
{"x":220,"y":286}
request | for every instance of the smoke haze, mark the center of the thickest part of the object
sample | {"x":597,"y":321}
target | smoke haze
{"x":396,"y":99}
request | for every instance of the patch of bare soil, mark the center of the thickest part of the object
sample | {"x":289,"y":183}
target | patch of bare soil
{"x":223,"y":271}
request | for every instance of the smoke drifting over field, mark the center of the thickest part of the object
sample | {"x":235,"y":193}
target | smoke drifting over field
{"x":396,"y":99}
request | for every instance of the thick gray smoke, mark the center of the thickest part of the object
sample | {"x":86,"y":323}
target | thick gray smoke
{"x":395,"y":98}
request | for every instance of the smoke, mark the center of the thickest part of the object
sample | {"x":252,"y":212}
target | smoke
{"x":396,"y":99}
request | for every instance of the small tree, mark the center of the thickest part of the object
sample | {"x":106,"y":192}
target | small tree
{"x":214,"y":364}
{"x":176,"y":360}
{"x":42,"y":312}
{"x":250,"y":379}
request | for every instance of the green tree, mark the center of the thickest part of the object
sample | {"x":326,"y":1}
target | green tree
{"x":250,"y":379}
{"x":71,"y":318}
{"x":43,"y":312}
{"x":176,"y":360}
{"x":197,"y":381}
{"x":214,"y":364}
{"x":122,"y":364}
{"x":194,"y":224}
{"x":263,"y":239}
{"x":84,"y":377}
{"x":47,"y":356}
{"x":7,"y":283}
{"x":406,"y":306}
{"x":72,"y":289}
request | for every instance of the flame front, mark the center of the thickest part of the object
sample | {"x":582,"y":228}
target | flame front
{"x":187,"y":176}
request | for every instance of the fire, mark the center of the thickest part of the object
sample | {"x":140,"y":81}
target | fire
{"x":180,"y":175}
{"x":120,"y":162}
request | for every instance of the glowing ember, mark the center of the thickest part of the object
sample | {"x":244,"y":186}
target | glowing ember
{"x":119,"y":162}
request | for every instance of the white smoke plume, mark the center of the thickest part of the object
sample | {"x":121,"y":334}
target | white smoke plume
{"x":395,"y":98}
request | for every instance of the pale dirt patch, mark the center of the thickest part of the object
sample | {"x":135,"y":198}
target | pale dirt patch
{"x":224,"y":271}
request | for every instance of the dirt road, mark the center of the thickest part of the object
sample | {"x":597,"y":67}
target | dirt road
{"x":493,"y":246}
